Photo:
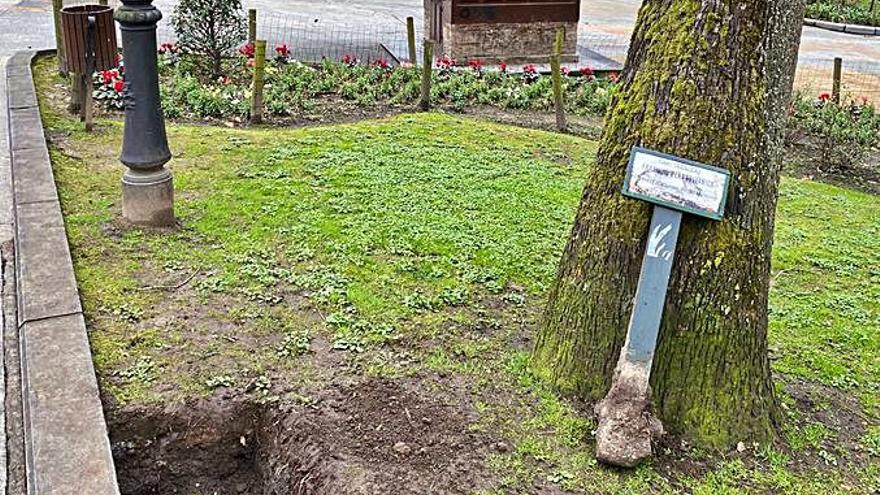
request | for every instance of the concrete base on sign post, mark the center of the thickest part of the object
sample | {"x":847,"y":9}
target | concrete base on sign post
{"x":627,"y":428}
{"x":148,"y":197}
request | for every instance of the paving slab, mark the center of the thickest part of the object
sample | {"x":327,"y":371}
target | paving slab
{"x":34,"y":181}
{"x":69,"y":448}
{"x":26,"y":128}
{"x":20,"y":91}
{"x":19,"y":64}
{"x":47,"y":285}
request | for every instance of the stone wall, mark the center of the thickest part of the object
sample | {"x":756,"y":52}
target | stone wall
{"x":513,"y":43}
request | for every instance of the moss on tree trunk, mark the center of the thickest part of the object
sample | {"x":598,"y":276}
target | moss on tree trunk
{"x":711,"y":81}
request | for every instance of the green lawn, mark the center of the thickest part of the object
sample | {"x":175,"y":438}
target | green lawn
{"x":423,"y":245}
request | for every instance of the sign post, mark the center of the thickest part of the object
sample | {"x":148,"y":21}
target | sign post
{"x":675,"y":186}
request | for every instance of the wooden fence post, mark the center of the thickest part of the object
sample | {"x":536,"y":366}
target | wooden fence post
{"x":835,"y":86}
{"x":427,"y":72}
{"x":411,"y":39}
{"x":259,"y":81}
{"x":252,"y":26}
{"x":88,"y":102}
{"x":57,"y":5}
{"x":556,"y":72}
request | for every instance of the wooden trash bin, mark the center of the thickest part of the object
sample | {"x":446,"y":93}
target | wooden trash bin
{"x":75,"y":26}
{"x":89,"y":33}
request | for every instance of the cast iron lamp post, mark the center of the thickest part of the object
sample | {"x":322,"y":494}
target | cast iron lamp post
{"x":147,"y":187}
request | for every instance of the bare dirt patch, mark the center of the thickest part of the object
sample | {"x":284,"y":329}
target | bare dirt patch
{"x":375,"y":436}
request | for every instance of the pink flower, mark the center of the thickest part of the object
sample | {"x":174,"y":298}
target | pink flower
{"x":565,"y":71}
{"x":247,"y":50}
{"x":119,"y":85}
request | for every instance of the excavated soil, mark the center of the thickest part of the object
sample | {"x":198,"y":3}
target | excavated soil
{"x":369,"y":438}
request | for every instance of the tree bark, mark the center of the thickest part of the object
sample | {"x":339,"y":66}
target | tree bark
{"x":708,"y":80}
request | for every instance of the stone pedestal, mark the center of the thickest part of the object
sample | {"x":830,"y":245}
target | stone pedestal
{"x":148,"y":197}
{"x":147,"y":188}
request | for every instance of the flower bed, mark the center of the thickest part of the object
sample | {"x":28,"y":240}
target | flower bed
{"x":294,"y":88}
{"x":845,"y":11}
{"x":842,"y":134}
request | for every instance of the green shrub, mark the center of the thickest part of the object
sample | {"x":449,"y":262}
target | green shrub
{"x":210,"y":30}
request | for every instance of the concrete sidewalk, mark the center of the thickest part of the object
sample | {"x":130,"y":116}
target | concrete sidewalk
{"x":6,"y":240}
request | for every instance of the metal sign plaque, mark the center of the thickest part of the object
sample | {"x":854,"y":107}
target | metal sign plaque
{"x":514,"y":11}
{"x":676,"y":183}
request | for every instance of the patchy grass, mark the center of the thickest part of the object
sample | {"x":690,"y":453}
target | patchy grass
{"x":825,"y":302}
{"x":419,"y":248}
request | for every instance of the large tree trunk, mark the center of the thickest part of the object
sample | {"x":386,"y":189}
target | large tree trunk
{"x":708,"y":80}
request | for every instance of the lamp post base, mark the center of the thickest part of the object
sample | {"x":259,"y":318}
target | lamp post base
{"x":148,"y":197}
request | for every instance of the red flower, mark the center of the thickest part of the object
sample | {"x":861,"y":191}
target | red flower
{"x":282,"y":50}
{"x":502,"y":67}
{"x":382,"y":63}
{"x":445,"y":62}
{"x":349,"y":60}
{"x":529,"y":69}
{"x":476,"y":65}
{"x":565,"y":71}
{"x":119,"y":85}
{"x":586,"y":72}
{"x":107,"y":76}
{"x":824,"y":97}
{"x":247,"y":50}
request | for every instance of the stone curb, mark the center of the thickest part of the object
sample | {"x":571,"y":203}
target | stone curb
{"x":843,"y":28}
{"x":67,"y":448}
